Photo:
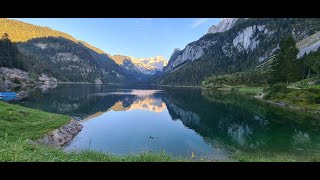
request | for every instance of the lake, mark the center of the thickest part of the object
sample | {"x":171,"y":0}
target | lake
{"x":124,"y":119}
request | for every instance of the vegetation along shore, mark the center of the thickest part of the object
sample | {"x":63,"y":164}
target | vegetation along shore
{"x":24,"y":131}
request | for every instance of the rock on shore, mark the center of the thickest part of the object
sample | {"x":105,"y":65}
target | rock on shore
{"x":60,"y":137}
{"x":11,"y":78}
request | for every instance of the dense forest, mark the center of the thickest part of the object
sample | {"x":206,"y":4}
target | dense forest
{"x":10,"y":56}
{"x":256,"y":76}
{"x":59,"y":58}
{"x":64,"y":59}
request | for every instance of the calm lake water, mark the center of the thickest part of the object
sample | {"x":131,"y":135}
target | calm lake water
{"x":180,"y":121}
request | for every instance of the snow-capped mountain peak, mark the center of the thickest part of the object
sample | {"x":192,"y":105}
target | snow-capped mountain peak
{"x":144,"y":65}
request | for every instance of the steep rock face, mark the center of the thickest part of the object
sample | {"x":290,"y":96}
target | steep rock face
{"x":175,"y":53}
{"x":243,"y":43}
{"x":245,"y":39}
{"x":192,"y":52}
{"x":309,"y":44}
{"x":224,"y":25}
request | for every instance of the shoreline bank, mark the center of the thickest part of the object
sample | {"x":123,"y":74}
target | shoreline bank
{"x":257,"y":93}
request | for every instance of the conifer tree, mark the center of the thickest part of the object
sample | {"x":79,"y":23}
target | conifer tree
{"x":285,"y":66}
{"x":9,"y":53}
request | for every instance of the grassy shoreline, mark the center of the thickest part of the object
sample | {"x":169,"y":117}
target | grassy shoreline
{"x":294,"y":99}
{"x":19,"y":125}
{"x":179,"y":86}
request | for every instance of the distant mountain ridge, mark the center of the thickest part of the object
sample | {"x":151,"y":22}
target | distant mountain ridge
{"x":69,"y":59}
{"x":147,"y":66}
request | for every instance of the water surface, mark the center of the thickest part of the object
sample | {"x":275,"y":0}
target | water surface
{"x":123,"y":119}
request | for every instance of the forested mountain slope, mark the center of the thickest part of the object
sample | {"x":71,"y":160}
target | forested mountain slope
{"x":241,"y":44}
{"x":62,"y":56}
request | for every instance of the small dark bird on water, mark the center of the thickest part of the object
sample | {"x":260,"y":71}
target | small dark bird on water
{"x":152,"y":137}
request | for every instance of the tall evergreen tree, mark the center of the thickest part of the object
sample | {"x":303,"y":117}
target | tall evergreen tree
{"x":285,"y":66}
{"x":5,"y":56}
{"x":312,"y":63}
{"x":9,"y":53}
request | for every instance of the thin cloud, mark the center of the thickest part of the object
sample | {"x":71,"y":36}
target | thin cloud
{"x":146,"y":19}
{"x":143,"y":20}
{"x":196,"y":23}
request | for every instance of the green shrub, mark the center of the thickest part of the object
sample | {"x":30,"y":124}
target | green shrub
{"x":314,"y":90}
{"x":278,"y":88}
{"x":313,"y":95}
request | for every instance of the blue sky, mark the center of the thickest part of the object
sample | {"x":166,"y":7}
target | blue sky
{"x":138,"y":37}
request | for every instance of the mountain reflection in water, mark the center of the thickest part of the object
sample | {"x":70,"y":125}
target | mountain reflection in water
{"x":211,"y":124}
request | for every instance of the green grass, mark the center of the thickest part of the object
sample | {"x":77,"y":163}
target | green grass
{"x":17,"y":121}
{"x":22,"y":151}
{"x":303,"y":84}
{"x":307,"y":99}
{"x":275,"y":157}
{"x":249,"y":89}
{"x":316,"y":86}
{"x":18,"y":124}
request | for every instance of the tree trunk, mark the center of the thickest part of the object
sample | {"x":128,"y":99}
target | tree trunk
{"x":308,"y":73}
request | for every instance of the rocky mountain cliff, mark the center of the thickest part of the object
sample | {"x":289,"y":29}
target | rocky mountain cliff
{"x":235,"y":45}
{"x":224,"y":25}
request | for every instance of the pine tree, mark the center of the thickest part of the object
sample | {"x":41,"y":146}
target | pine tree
{"x":9,"y":53}
{"x":285,"y":66}
{"x":312,"y":63}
